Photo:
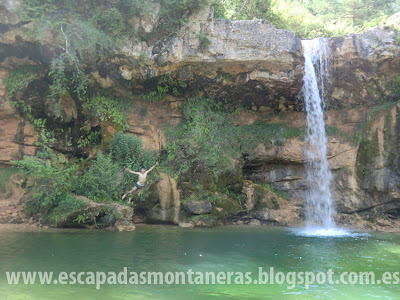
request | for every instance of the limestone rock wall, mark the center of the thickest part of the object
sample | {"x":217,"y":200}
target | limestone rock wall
{"x":365,"y":67}
{"x":243,"y":58}
{"x":163,"y":204}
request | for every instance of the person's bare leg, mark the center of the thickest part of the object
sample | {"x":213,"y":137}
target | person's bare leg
{"x":131,"y":191}
{"x":133,"y":195}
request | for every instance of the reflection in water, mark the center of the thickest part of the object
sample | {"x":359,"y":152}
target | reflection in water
{"x":174,"y":249}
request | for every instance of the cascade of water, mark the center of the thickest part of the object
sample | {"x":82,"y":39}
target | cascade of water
{"x":319,"y":207}
{"x":319,"y":50}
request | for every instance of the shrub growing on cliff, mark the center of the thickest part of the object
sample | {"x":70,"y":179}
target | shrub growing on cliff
{"x":67,"y":206}
{"x":83,"y":31}
{"x":127,"y":152}
{"x":205,"y":134}
{"x":5,"y":176}
{"x":114,"y":18}
{"x":109,"y":107}
{"x":208,"y":135}
{"x":19,"y":79}
{"x":267,"y":134}
{"x":83,"y":43}
{"x":110,"y":20}
{"x":105,"y":179}
{"x":50,"y":175}
{"x":176,"y":12}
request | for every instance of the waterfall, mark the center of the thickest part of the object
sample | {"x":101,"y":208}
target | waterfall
{"x":319,"y":208}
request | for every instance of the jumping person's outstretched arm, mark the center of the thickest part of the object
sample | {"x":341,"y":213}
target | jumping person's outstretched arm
{"x":152,"y":168}
{"x":127,"y":170}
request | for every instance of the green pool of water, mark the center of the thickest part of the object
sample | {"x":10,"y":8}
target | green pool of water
{"x":175,"y":249}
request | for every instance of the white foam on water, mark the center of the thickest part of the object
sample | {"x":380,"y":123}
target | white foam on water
{"x":326,"y":232}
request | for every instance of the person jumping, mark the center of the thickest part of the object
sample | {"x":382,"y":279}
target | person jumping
{"x":141,"y":181}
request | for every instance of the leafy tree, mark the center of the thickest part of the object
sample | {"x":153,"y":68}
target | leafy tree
{"x":241,"y":9}
{"x":311,"y":18}
{"x":360,"y":10}
{"x":297,"y":18}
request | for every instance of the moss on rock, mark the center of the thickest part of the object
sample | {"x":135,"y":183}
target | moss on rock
{"x":368,"y":150}
{"x":224,"y":206}
{"x":231,"y":180}
{"x":264,"y":198}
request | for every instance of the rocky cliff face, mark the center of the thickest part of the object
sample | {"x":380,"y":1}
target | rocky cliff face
{"x":365,"y":67}
{"x":258,"y":68}
{"x":17,"y":136}
{"x":250,"y":62}
{"x":361,"y":123}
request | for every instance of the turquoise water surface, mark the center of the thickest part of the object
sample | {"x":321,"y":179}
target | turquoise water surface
{"x":234,"y":249}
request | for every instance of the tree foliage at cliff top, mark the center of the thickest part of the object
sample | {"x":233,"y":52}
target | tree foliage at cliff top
{"x":113,"y":18}
{"x":311,"y":18}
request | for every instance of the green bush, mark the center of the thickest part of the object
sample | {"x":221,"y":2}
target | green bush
{"x":125,"y":149}
{"x":127,"y":152}
{"x":51,"y":175}
{"x":19,"y":79}
{"x":165,"y":85}
{"x":176,"y":12}
{"x":234,"y":9}
{"x":296,"y":18}
{"x":54,"y":181}
{"x":133,"y":7}
{"x":205,"y":134}
{"x":109,"y":108}
{"x":208,"y":135}
{"x":111,"y":21}
{"x":93,"y":138}
{"x":35,"y":9}
{"x":5,"y":177}
{"x":280,"y":193}
{"x":204,"y":41}
{"x":88,"y":41}
{"x":83,"y":43}
{"x":103,"y":181}
{"x":267,"y":134}
{"x":67,"y":206}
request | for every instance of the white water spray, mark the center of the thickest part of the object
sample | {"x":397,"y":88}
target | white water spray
{"x":319,"y":207}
